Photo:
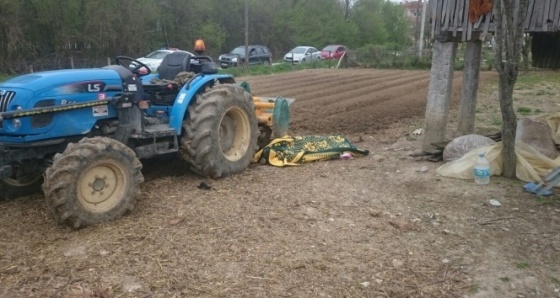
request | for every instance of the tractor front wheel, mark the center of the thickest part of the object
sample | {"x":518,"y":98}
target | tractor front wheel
{"x":220,"y":133}
{"x":92,"y":181}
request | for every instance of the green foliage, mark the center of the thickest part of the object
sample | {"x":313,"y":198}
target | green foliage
{"x":390,"y":57}
{"x":276,"y":68}
{"x":522,"y":265}
{"x":50,"y":31}
{"x":3,"y":77}
{"x":474,"y":289}
{"x":459,"y":64}
{"x":524,"y":110}
{"x":214,"y":38}
{"x":371,"y":25}
{"x":496,"y":121}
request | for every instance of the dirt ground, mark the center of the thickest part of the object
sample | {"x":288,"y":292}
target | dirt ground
{"x":383,"y":225}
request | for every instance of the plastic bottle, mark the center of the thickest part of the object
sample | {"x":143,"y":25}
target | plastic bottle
{"x":482,"y":170}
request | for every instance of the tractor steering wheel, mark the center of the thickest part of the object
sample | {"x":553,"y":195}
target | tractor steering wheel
{"x":133,"y":64}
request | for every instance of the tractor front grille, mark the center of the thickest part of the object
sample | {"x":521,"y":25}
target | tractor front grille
{"x":5,"y":99}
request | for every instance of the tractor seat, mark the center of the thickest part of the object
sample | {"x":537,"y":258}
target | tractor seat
{"x":173,"y":64}
{"x":163,"y":90}
{"x":161,"y":94}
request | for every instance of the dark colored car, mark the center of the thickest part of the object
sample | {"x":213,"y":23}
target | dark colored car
{"x":333,"y":51}
{"x":257,"y":55}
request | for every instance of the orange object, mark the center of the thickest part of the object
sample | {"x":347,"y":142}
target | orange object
{"x":263,"y":111}
{"x":479,"y":8}
{"x":199,"y":46}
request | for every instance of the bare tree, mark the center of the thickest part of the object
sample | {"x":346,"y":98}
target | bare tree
{"x":347,"y":6}
{"x":510,"y":16}
{"x":527,"y":40}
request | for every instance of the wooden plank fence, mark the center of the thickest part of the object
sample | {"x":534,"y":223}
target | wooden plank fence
{"x":452,"y":16}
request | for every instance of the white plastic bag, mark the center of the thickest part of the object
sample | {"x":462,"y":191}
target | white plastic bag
{"x":461,"y":145}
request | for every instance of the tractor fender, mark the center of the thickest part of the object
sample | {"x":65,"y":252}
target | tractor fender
{"x":188,"y":93}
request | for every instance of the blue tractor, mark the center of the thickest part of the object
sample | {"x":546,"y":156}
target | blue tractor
{"x":80,"y":134}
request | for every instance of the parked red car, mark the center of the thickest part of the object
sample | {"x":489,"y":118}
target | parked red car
{"x":334,"y":51}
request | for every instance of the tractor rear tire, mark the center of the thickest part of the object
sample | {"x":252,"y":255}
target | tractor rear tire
{"x":21,"y":184}
{"x":220,"y":133}
{"x":92,"y":181}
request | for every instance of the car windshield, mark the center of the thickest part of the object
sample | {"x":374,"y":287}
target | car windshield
{"x":330,"y":48}
{"x":157,"y":55}
{"x":239,"y":51}
{"x":298,"y":50}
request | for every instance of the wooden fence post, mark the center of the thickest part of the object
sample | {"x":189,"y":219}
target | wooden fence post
{"x":72,"y":62}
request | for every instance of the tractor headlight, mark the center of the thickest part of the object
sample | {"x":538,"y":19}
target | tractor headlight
{"x":16,"y":123}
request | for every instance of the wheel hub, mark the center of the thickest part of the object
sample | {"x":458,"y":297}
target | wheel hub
{"x":98,"y":184}
{"x":101,"y":186}
{"x":235,"y":134}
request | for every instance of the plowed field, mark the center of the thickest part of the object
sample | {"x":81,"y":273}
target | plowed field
{"x":349,"y":101}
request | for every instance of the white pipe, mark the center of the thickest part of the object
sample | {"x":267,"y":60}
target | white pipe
{"x":421,"y":43}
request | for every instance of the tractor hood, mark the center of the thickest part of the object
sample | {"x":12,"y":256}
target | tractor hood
{"x":58,"y":88}
{"x":41,"y":80}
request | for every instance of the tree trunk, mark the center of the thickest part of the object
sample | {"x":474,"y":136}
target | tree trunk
{"x":509,"y":120}
{"x":510,"y":15}
{"x":525,"y":52}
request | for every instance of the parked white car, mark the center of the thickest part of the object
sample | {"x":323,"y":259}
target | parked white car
{"x":302,"y":54}
{"x":153,"y":60}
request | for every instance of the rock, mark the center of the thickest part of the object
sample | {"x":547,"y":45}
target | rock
{"x":398,"y":224}
{"x":397,"y":263}
{"x":365,"y":284}
{"x":538,"y":135}
{"x":374,"y":213}
{"x":445,"y":261}
{"x":422,"y":169}
{"x":495,"y":203}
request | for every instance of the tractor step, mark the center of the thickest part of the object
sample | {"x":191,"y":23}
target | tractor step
{"x":154,"y":131}
{"x":158,"y":146}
